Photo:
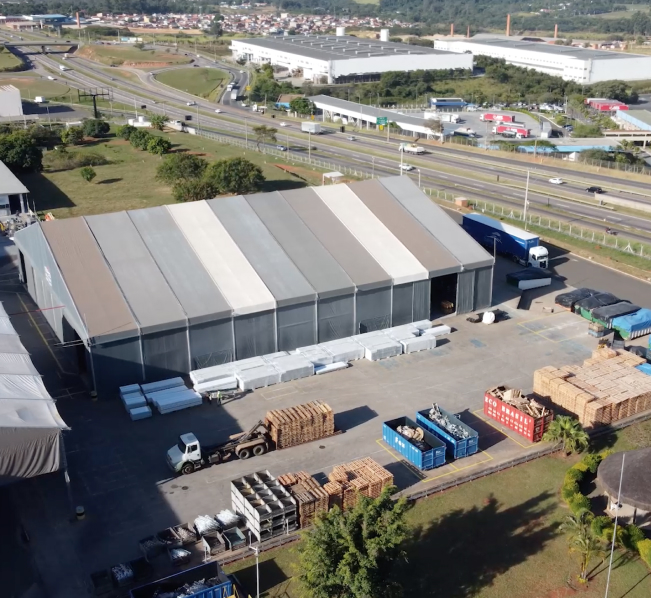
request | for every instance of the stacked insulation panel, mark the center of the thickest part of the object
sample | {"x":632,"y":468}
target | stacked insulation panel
{"x":348,"y":481}
{"x":300,"y":424}
{"x":607,"y":388}
{"x":311,"y":498}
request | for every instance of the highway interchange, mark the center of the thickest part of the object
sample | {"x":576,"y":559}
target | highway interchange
{"x":471,"y":175}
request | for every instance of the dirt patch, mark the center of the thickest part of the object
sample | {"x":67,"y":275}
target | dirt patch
{"x":142,"y":65}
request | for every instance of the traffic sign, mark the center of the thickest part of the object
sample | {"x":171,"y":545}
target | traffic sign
{"x":248,"y":88}
{"x":382,"y":120}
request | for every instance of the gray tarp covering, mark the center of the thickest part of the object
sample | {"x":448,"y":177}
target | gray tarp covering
{"x":336,"y":318}
{"x":422,"y":291}
{"x":457,"y":241}
{"x":117,"y":363}
{"x":255,"y":334}
{"x":465,"y":292}
{"x":483,"y":288}
{"x":163,"y":322}
{"x":403,"y":300}
{"x":209,"y":314}
{"x":373,"y":310}
{"x":30,"y":425}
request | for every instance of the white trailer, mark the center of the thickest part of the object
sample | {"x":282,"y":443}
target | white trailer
{"x":311,"y":127}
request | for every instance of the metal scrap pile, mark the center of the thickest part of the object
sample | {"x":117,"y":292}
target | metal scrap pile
{"x":515,"y":398}
{"x":443,"y":421}
{"x":190,"y":589}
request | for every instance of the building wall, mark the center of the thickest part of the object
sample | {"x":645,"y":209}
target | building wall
{"x":10,"y":104}
{"x":635,"y":68}
{"x":631,"y":119}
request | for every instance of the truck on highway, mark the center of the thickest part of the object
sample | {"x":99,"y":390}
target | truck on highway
{"x":411,"y":148}
{"x":520,"y":132}
{"x":489,"y":117}
{"x":521,"y":246}
{"x":464,"y":132}
{"x":311,"y":127}
{"x":234,"y":93}
{"x":449,"y":118}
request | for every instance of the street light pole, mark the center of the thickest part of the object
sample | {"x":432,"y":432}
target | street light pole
{"x":402,"y":153}
{"x":526,"y":200}
{"x":246,"y":133}
{"x":373,"y":172}
{"x":256,"y":551}
{"x":419,"y":178}
{"x":309,"y":148}
{"x":612,"y":546}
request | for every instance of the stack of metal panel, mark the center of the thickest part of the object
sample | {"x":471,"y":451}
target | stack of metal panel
{"x":134,"y":402}
{"x":174,"y":399}
{"x":257,"y":377}
{"x":437,"y":331}
{"x":162,"y":385}
{"x":267,"y":507}
{"x":378,"y":345}
{"x":344,"y":349}
{"x":317,"y":354}
{"x":409,"y":336}
{"x":292,"y":367}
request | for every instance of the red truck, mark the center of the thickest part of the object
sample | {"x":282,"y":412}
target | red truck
{"x":511,"y":131}
{"x":519,"y":413}
{"x":490,"y":117}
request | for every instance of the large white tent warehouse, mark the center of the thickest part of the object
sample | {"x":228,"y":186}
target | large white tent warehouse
{"x":158,"y":292}
{"x":30,"y":425}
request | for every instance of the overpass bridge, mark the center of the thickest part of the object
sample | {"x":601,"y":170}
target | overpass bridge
{"x":42,"y":45}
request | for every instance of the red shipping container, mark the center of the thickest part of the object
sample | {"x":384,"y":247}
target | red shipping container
{"x":514,"y":419}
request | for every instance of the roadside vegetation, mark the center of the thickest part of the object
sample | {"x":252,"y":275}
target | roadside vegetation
{"x":113,"y":55}
{"x":499,"y":536}
{"x":9,"y":62}
{"x":203,"y":82}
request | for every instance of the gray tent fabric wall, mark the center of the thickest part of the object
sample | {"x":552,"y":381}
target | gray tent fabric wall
{"x":421,"y":305}
{"x":296,"y":326}
{"x":483,"y":288}
{"x":255,"y":334}
{"x":373,"y":310}
{"x":117,"y":363}
{"x":465,"y":292}
{"x":336,"y":316}
{"x":209,"y":314}
{"x":403,"y":304}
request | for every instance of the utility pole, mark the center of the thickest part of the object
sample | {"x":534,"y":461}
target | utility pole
{"x":612,"y":546}
{"x":309,"y":147}
{"x":373,"y":171}
{"x":402,"y":153}
{"x":526,"y":201}
{"x":246,"y":133}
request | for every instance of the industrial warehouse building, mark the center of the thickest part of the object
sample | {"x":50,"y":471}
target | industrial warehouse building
{"x":582,"y":65}
{"x":343,"y":58}
{"x":152,"y":293}
{"x":11,"y":104}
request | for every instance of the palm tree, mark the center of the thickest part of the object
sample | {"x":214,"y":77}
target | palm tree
{"x":569,"y":432}
{"x":582,"y":541}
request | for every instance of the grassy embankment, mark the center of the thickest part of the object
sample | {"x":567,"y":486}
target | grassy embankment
{"x":130,"y":56}
{"x":203,"y":82}
{"x":493,"y":538}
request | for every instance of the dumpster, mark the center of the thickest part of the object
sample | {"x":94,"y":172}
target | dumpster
{"x":459,"y":438}
{"x":425,"y":454}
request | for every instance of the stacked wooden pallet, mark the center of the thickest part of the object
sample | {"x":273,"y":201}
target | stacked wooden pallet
{"x":303,"y":423}
{"x":348,"y":481}
{"x":312,"y":499}
{"x":605,"y":389}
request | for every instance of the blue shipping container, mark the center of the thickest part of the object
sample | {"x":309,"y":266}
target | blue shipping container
{"x":433,"y":456}
{"x":456,"y":448}
{"x":175,"y":582}
{"x":508,"y":240}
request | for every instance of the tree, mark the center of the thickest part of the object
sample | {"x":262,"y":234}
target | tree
{"x":216,"y":28}
{"x":235,"y":175}
{"x":88,"y":173}
{"x":19,"y":152}
{"x":435,"y":126}
{"x":302,"y":106}
{"x":193,"y":190}
{"x":582,"y":540}
{"x":158,"y":145}
{"x":94,"y":127}
{"x":177,"y":167}
{"x":139,"y":45}
{"x":350,"y":554}
{"x":263,"y":133}
{"x":581,"y":130}
{"x":569,"y":432}
{"x":72,"y":135}
{"x":158,"y":121}
{"x":140,"y":139}
{"x":125,"y":131}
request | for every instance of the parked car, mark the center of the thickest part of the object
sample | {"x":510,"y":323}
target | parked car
{"x":594,"y":190}
{"x":556,"y":181}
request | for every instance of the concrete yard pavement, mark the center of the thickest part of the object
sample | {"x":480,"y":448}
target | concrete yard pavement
{"x":118,"y":470}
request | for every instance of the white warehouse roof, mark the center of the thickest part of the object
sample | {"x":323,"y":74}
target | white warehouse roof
{"x":9,"y":184}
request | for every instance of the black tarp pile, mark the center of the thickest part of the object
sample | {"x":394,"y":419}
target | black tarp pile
{"x":607,"y":313}
{"x":571,"y":297}
{"x":595,"y":301}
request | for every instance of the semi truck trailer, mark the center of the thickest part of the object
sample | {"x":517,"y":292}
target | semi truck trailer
{"x":521,"y":246}
{"x":490,"y":117}
{"x":411,"y":148}
{"x":519,"y":132}
{"x":311,"y":127}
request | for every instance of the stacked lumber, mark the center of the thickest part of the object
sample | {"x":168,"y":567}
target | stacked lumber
{"x":310,"y":497}
{"x":605,"y":389}
{"x":348,"y":481}
{"x":300,"y":424}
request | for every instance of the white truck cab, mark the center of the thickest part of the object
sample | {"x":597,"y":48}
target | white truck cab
{"x":186,"y":451}
{"x":538,"y":257}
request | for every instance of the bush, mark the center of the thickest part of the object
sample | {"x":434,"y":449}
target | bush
{"x":591,"y":461}
{"x":644,"y":548}
{"x":88,"y":174}
{"x":125,"y":132}
{"x":72,"y":135}
{"x":600,"y":525}
{"x":62,"y":159}
{"x":140,"y":139}
{"x":633,"y":536}
{"x":582,"y":467}
{"x":579,"y":502}
{"x":573,"y":474}
{"x":569,"y":490}
{"x":95,"y":127}
{"x":20,"y":153}
{"x":193,"y":190}
{"x":178,"y":167}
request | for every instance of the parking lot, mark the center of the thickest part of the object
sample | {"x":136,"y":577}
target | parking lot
{"x":118,"y":471}
{"x":472,"y":120}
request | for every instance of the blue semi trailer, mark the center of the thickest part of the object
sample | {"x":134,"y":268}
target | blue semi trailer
{"x":204,"y":581}
{"x":521,"y":246}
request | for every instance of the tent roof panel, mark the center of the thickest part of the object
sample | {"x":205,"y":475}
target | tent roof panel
{"x":434,"y":218}
{"x":278,"y":272}
{"x":98,"y":298}
{"x":315,"y":262}
{"x":192,"y":285}
{"x":392,"y":255}
{"x":416,"y":238}
{"x":144,"y":287}
{"x":360,"y":265}
{"x":222,"y":258}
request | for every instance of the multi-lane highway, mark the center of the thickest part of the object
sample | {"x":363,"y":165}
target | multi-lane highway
{"x":477,"y":177}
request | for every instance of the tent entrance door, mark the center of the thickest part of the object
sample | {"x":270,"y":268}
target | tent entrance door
{"x":443,"y":295}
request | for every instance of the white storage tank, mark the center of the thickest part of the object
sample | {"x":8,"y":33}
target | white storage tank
{"x":384,"y":35}
{"x":341,"y":31}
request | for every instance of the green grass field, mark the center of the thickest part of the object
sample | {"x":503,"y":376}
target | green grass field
{"x":130,"y":56}
{"x":623,"y":14}
{"x":31,"y":86}
{"x":8,"y":60}
{"x":202,"y":82}
{"x":129,"y":181}
{"x":495,"y":538}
